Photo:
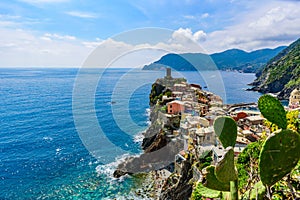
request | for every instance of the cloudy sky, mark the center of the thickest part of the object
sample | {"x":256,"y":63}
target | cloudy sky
{"x":64,"y":32}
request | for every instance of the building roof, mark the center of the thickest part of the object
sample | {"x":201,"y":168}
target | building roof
{"x":296,"y":91}
{"x":176,"y":92}
{"x":246,"y":132}
{"x":179,"y":85}
{"x":176,"y":101}
{"x":255,"y":118}
{"x":219,"y":151}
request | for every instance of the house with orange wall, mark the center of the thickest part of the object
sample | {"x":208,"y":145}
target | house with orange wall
{"x":175,"y":107}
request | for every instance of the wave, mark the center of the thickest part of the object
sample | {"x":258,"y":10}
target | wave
{"x":108,"y":169}
{"x":138,"y":138}
{"x":147,"y":112}
{"x":46,"y":138}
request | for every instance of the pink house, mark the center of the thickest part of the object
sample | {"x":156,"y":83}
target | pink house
{"x":175,"y":107}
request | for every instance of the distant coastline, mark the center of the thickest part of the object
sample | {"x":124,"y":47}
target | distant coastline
{"x":233,"y":59}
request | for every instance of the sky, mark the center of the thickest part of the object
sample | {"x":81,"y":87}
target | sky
{"x":63,"y":33}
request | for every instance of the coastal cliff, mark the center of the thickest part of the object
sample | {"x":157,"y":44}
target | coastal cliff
{"x":170,"y":144}
{"x":179,"y":187}
{"x":281,"y":75}
{"x":159,"y":149}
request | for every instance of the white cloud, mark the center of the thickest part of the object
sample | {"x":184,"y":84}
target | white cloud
{"x":183,"y":35}
{"x":189,"y":17}
{"x":205,"y":15}
{"x":57,"y":36}
{"x":275,"y":24}
{"x":82,"y":14}
{"x":25,"y":48}
{"x":196,"y":17}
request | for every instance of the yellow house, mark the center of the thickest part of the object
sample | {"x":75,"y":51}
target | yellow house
{"x":294,"y":99}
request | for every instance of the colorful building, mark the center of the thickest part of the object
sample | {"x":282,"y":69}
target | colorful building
{"x":294,"y":99}
{"x":175,"y":107}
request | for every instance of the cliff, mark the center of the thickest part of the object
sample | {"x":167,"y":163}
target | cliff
{"x":163,"y":144}
{"x":159,"y":149}
{"x":179,"y":187}
{"x":281,"y":74}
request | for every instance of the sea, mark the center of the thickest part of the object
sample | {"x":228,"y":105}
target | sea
{"x":63,"y":131}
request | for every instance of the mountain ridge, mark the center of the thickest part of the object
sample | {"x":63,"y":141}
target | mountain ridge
{"x":281,"y":74}
{"x":232,"y":59}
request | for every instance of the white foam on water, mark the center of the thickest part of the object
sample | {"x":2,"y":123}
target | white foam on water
{"x":46,"y":138}
{"x":108,"y":169}
{"x":138,"y":138}
{"x":147,"y":112}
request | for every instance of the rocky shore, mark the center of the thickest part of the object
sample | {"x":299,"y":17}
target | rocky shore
{"x":166,"y":140}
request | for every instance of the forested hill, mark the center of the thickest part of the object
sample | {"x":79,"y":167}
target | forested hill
{"x":282,"y":73}
{"x":233,"y":59}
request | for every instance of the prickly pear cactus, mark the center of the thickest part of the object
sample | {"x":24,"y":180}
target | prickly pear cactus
{"x":226,"y":129}
{"x":213,"y":183}
{"x":256,"y":193}
{"x":272,"y":110}
{"x":205,"y":192}
{"x":225,"y":170}
{"x":279,"y":155}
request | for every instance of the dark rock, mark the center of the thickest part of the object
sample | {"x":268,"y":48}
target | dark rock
{"x":118,"y":173}
{"x":179,"y":189}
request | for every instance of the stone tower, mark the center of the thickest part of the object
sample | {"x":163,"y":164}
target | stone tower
{"x":168,"y":73}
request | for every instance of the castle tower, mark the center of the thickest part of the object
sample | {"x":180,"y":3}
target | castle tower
{"x":168,"y":73}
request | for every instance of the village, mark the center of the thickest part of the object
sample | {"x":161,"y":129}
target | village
{"x":197,"y":109}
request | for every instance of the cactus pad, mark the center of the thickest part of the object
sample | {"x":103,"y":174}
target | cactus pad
{"x":213,"y":183}
{"x":206,"y":192}
{"x":272,"y":109}
{"x":226,"y":130}
{"x":279,"y":155}
{"x":225,"y":170}
{"x":258,"y":192}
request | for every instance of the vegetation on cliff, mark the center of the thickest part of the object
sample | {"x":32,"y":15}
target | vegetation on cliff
{"x":282,"y":73}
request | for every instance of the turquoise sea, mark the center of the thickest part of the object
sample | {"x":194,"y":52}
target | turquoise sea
{"x":43,"y":153}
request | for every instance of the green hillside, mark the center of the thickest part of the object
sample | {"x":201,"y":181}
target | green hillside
{"x":282,"y":73}
{"x":233,"y":59}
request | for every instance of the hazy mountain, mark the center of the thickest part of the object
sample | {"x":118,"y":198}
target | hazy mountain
{"x":233,"y":59}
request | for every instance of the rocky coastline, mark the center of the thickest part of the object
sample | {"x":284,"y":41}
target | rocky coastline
{"x":157,"y":160}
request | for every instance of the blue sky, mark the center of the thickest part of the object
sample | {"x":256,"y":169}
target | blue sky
{"x":64,"y":32}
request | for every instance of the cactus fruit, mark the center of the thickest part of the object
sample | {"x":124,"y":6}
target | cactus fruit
{"x":225,"y":170}
{"x":279,"y":155}
{"x":272,"y":110}
{"x":213,"y":183}
{"x":226,"y":129}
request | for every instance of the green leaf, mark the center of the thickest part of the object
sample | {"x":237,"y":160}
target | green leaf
{"x":225,"y":170}
{"x":279,"y":155}
{"x":226,"y":129}
{"x":272,"y":109}
{"x":213,"y":183}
